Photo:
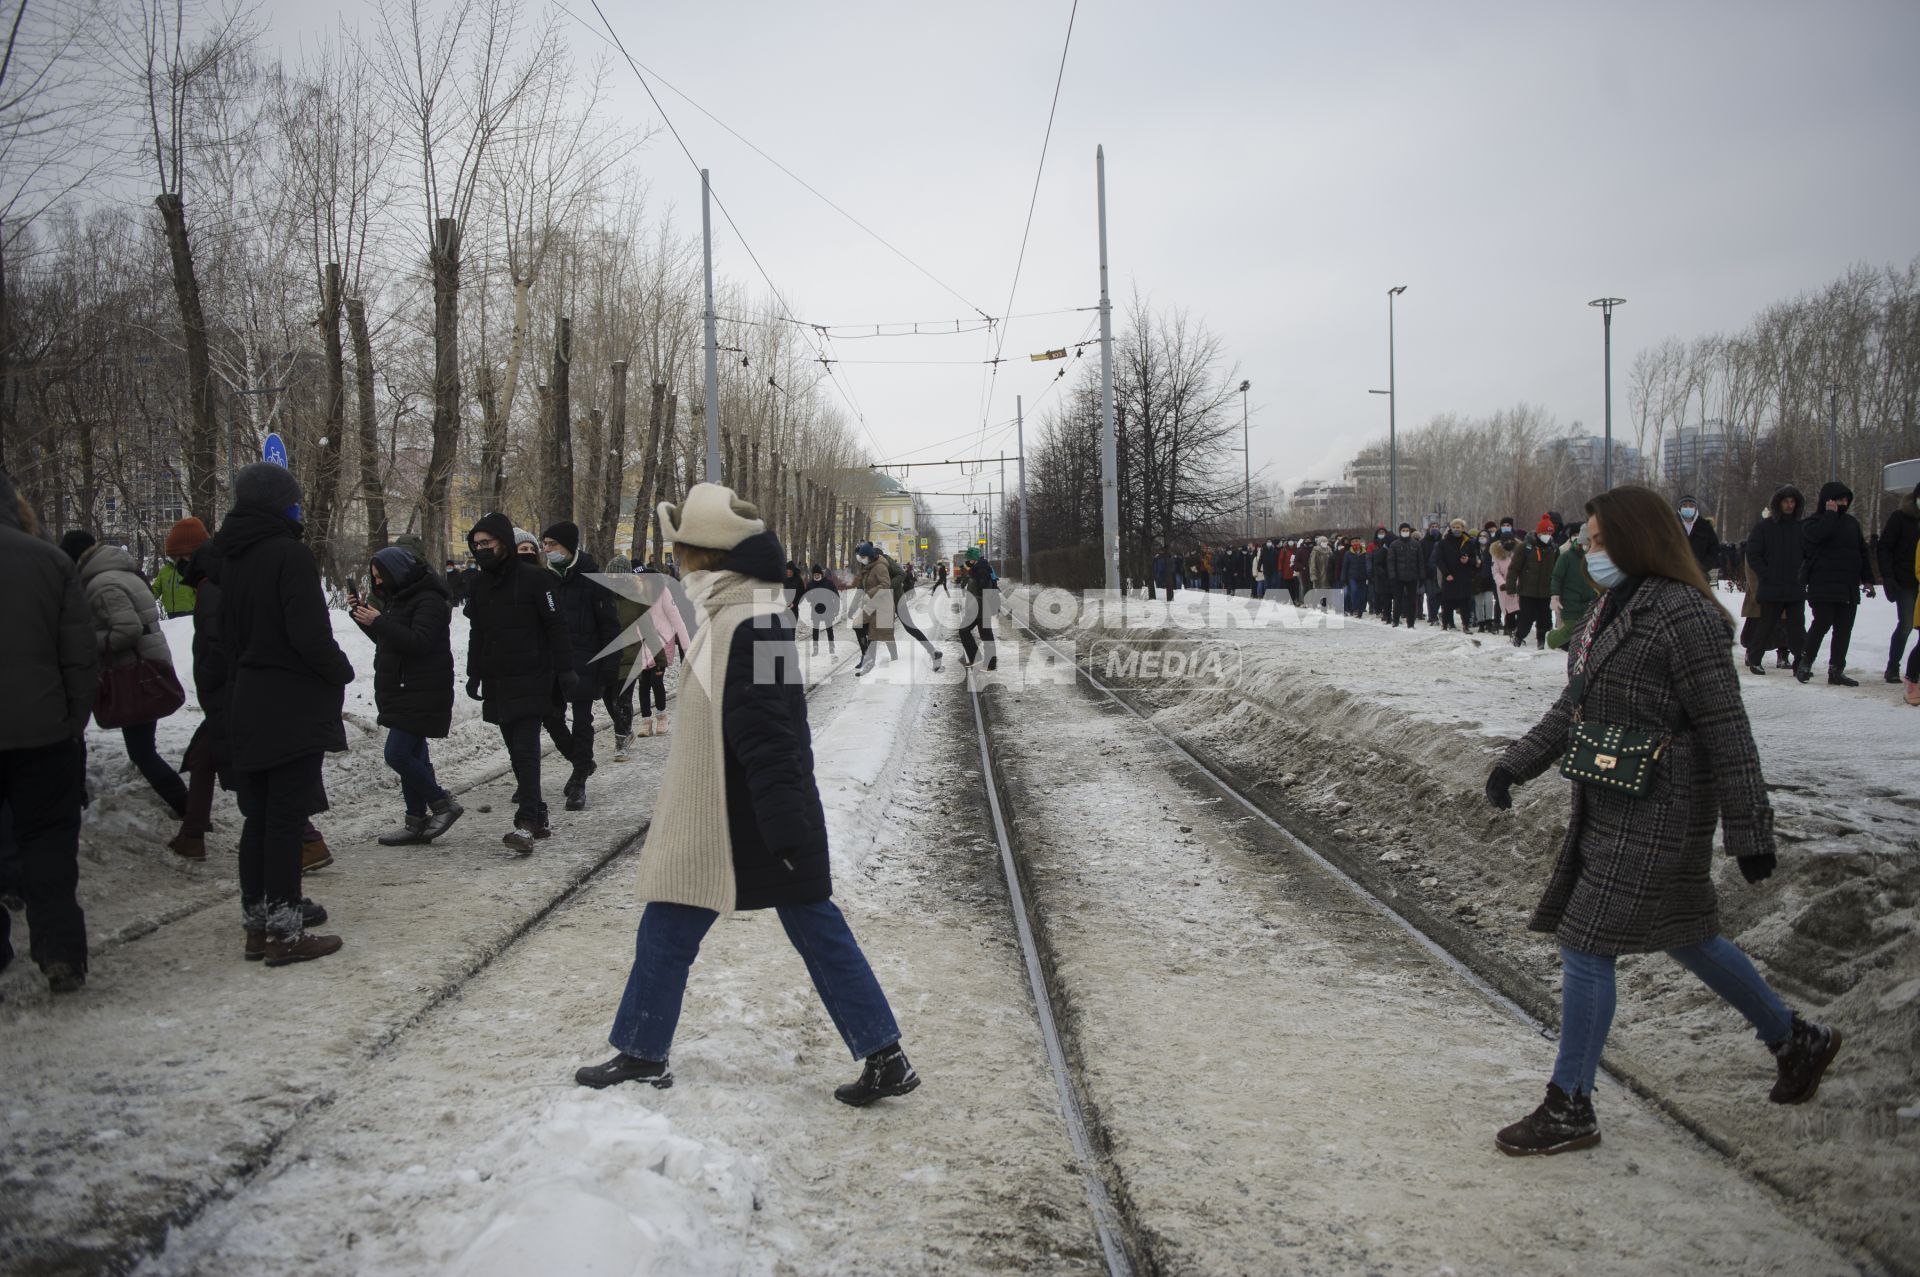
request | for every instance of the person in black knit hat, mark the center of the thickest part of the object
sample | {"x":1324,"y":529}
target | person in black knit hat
{"x":592,"y":623}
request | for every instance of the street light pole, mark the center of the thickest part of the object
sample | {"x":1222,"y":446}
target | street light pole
{"x":1393,"y":413}
{"x":1246,"y":456}
{"x":1606,"y":305}
{"x":1833,"y":434}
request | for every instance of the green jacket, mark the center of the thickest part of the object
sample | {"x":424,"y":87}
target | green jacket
{"x":172,"y":592}
{"x":1570,"y":584}
{"x":1530,"y":571}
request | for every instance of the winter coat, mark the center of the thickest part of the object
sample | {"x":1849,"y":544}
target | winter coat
{"x":288,"y":678}
{"x":592,"y":621}
{"x":1320,"y":568}
{"x":518,"y":645}
{"x":1776,"y":549}
{"x":874,"y":607}
{"x":1457,"y":559}
{"x":49,"y":657}
{"x":738,"y":823}
{"x":171,"y":591}
{"x":413,"y":651}
{"x":1571,"y":585}
{"x":1899,"y":545}
{"x":1406,"y":559}
{"x":1502,"y":564}
{"x":1355,"y":568}
{"x":210,"y":675}
{"x":126,"y":621}
{"x":1833,"y":551}
{"x":820,"y":605}
{"x":1286,"y":556}
{"x":1635,"y":875}
{"x":1530,"y":570}
{"x":1704,"y":541}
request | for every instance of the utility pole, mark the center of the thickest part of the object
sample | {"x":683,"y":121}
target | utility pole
{"x":1606,"y":305}
{"x":1020,"y":434}
{"x":1109,"y":454}
{"x":713,"y":338}
{"x":1246,"y":458}
{"x":1393,"y":420}
{"x":1833,"y":434}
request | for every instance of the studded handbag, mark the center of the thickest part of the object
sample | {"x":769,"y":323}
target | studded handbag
{"x":1605,"y":754}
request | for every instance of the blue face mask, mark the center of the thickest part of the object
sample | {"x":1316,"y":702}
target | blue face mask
{"x":1605,"y":573}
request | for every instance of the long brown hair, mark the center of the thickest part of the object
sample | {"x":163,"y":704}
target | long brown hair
{"x":1644,"y":538}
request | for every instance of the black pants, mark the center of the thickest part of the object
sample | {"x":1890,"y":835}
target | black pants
{"x":146,"y":758}
{"x":1535,"y":615}
{"x":817,"y":630}
{"x":904,"y":619}
{"x":1433,"y":602}
{"x":619,"y":703}
{"x":1837,"y":617}
{"x":1406,"y":603}
{"x":1780,"y":627}
{"x":40,"y":792}
{"x":653,"y":691}
{"x":981,"y":624}
{"x":574,"y":743}
{"x":522,"y":737}
{"x":1461,"y":608}
{"x":276,"y":803}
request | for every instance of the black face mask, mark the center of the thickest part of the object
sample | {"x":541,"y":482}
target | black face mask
{"x":486,"y":558}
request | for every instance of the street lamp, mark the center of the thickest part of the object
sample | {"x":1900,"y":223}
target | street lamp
{"x":1246,"y":456}
{"x":1606,"y":305}
{"x":1393,"y":423}
{"x":1833,"y":434}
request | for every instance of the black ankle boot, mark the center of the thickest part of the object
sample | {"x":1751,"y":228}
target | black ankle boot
{"x":1561,"y":1124}
{"x":1803,"y":1058}
{"x":1837,"y":676}
{"x":887,"y":1073}
{"x":625,"y":1068}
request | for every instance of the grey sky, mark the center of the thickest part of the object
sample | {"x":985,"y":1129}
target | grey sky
{"x":1274,"y":168}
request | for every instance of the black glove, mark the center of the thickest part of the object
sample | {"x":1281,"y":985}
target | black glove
{"x":473,"y":688}
{"x":1755,"y":868}
{"x":569,"y":685}
{"x":1499,"y":787}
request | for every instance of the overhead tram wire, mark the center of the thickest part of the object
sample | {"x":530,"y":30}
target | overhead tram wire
{"x":846,"y":392}
{"x":1033,"y":202}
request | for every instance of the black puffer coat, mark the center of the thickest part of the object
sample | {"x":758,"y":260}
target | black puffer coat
{"x":1406,"y":557}
{"x":1458,"y":561}
{"x":774,"y":817}
{"x":518,"y":646}
{"x":1774,"y":549}
{"x":288,"y":678}
{"x":592,"y":621}
{"x":1834,"y":551}
{"x":1898,"y":541}
{"x":210,"y":673}
{"x":413,"y":653}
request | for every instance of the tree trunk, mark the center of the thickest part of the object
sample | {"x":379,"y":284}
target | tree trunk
{"x":661,"y":482}
{"x":7,"y":446}
{"x":561,"y":507}
{"x":203,"y":430}
{"x":372,"y":488}
{"x":327,"y":457}
{"x":436,"y":501}
{"x":496,"y":414}
{"x":643,"y":502}
{"x":754,"y":484}
{"x":616,"y":454}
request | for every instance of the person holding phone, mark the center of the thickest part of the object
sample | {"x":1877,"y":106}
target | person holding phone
{"x":412,"y":684}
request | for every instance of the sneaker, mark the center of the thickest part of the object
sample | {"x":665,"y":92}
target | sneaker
{"x":1803,"y":1058}
{"x":64,"y":977}
{"x":441,"y":813}
{"x":315,"y":855}
{"x":304,"y":947}
{"x":577,"y":796}
{"x":412,"y":830}
{"x":625,"y":1068}
{"x":886,"y":1073}
{"x":188,"y":846}
{"x":620,"y":744}
{"x":1837,"y":677}
{"x":1561,"y":1124}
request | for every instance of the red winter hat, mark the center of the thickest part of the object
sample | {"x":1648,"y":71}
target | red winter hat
{"x":186,"y":536}
{"x":1545,"y":525}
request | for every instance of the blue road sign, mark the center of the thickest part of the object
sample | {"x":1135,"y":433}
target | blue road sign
{"x":274,"y":450}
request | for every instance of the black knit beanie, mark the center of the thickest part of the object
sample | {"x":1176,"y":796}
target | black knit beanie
{"x":266,"y":486}
{"x":77,"y":543}
{"x":567,"y":534}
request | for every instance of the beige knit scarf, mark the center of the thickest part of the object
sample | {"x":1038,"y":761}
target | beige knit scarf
{"x":687,"y":858}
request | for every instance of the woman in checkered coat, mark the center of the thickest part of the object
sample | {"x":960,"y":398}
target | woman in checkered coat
{"x":1635,"y":874}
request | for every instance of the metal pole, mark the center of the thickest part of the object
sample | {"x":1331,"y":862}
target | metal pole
{"x":1833,"y":434}
{"x":1393,"y":422}
{"x":1246,"y":458}
{"x":1606,"y":465}
{"x":1020,"y":434}
{"x":1109,"y":455}
{"x":713,"y":339}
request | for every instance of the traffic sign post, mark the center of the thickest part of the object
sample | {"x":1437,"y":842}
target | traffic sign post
{"x":275,"y":450}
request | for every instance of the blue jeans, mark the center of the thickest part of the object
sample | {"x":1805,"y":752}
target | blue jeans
{"x":1356,"y":598}
{"x":407,"y":755}
{"x":1587,"y":999}
{"x":669,"y":939}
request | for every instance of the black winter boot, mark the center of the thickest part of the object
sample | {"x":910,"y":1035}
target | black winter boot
{"x":1893,"y":672}
{"x":577,"y":796}
{"x":887,"y":1073}
{"x":1803,"y":669}
{"x":1561,"y":1124}
{"x":1803,"y":1058}
{"x":412,"y":830}
{"x":624,"y":1068}
{"x":1837,"y":676}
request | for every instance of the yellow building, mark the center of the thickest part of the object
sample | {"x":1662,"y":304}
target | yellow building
{"x":892,"y":524}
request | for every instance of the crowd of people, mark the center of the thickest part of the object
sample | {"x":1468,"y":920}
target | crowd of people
{"x":1503,"y":579}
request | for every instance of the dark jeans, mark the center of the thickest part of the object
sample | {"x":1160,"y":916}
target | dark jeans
{"x":653,"y":687}
{"x":522,"y":737}
{"x":1432,"y":592}
{"x":1903,"y":600}
{"x":1356,"y":598}
{"x":619,"y":703}
{"x":817,"y":630}
{"x":1461,"y":608}
{"x":40,"y":792}
{"x":982,"y":625}
{"x":1535,"y":615}
{"x":1837,"y":617}
{"x":166,"y":782}
{"x":1587,"y":1002}
{"x":201,"y":780}
{"x":407,"y":755}
{"x":275,"y":803}
{"x":1780,"y":627}
{"x":576,"y":743}
{"x":905,"y":619}
{"x":1405,"y":605}
{"x":669,"y":939}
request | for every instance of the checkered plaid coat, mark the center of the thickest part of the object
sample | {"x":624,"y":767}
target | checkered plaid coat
{"x":1635,"y":874}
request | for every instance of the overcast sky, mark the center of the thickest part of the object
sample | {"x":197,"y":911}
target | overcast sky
{"x":1273,"y":169}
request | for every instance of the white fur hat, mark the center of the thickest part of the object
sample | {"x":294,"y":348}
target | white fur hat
{"x":711,"y":516}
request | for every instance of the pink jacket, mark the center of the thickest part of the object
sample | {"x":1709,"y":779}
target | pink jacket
{"x":1509,"y":603}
